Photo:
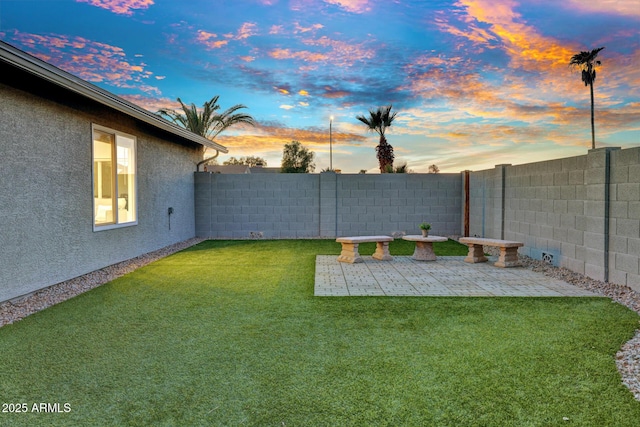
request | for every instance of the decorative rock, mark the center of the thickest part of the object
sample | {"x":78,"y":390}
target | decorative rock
{"x":13,"y":310}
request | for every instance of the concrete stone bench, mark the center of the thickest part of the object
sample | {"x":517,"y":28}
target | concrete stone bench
{"x":508,"y":250}
{"x":424,"y":246}
{"x":350,"y":245}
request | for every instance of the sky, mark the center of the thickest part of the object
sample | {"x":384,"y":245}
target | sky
{"x":475,"y":83}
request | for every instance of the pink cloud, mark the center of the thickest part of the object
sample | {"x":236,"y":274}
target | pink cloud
{"x":276,"y":29}
{"x":272,"y":136}
{"x":89,"y":60}
{"x":339,"y":53}
{"x":332,"y":93}
{"x":150,"y":103}
{"x":300,"y":29}
{"x":342,"y":53}
{"x":455,"y":89}
{"x":622,"y":69}
{"x":248,"y":29}
{"x":354,"y":6}
{"x":303,"y":55}
{"x":210,"y":40}
{"x":472,"y":33}
{"x":620,"y":7}
{"x":121,"y":7}
{"x":496,"y":24}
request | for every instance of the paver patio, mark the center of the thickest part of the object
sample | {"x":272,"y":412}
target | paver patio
{"x":448,"y":276}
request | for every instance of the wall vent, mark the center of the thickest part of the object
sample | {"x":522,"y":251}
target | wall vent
{"x":547,"y":257}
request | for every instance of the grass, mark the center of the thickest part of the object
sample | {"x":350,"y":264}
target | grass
{"x":228,"y":333}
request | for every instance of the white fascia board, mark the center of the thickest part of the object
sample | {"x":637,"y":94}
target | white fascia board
{"x":48,"y":72}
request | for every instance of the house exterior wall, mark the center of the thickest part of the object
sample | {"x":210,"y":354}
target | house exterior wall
{"x":325,"y":205}
{"x":46,"y":204}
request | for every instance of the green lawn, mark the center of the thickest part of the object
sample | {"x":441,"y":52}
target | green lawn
{"x":228,"y":333}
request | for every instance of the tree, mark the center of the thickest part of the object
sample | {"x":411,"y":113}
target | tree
{"x":249,"y":161}
{"x":434,"y":168}
{"x":297,"y":159}
{"x":403,"y":168}
{"x":378,"y":121}
{"x":586,"y":61}
{"x":207,"y":122}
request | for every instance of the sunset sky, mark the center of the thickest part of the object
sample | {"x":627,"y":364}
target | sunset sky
{"x":475,"y":83}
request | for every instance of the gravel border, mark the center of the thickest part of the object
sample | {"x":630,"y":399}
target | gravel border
{"x":627,"y":358}
{"x":13,"y":310}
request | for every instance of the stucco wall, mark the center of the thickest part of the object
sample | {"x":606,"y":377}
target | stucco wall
{"x":46,"y":192}
{"x":325,"y":205}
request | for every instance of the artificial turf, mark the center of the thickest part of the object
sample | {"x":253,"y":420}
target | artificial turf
{"x":229,"y":333}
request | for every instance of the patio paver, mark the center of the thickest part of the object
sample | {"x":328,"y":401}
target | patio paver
{"x":448,"y":276}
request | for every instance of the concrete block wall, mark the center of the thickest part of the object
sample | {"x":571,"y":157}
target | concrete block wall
{"x":624,"y":224}
{"x":325,"y":205}
{"x":545,"y":209}
{"x":582,"y":213}
{"x":245,"y":205}
{"x":390,"y":203}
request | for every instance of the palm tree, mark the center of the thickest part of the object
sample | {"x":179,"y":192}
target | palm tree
{"x":586,"y":61}
{"x":378,"y":121}
{"x":207,"y":122}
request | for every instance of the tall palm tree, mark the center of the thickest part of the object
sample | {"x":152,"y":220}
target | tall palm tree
{"x":586,"y":61}
{"x":207,"y":122}
{"x":378,"y":121}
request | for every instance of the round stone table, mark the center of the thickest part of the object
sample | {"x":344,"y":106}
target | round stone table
{"x":424,"y":246}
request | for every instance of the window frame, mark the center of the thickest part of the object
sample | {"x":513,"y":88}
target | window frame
{"x":114,"y":178}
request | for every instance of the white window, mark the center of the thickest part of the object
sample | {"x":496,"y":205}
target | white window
{"x":114,"y":179}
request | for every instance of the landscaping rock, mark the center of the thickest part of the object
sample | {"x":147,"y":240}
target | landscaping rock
{"x":19,"y":308}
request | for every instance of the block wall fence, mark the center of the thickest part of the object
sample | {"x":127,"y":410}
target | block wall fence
{"x":325,"y":205}
{"x":582,"y":213}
